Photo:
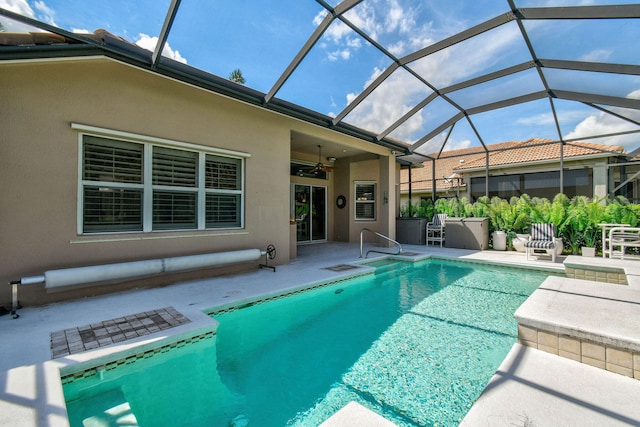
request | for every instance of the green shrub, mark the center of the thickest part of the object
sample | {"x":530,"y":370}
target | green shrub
{"x":576,"y":219}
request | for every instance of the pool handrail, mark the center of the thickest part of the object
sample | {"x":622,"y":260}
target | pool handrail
{"x":382,"y":236}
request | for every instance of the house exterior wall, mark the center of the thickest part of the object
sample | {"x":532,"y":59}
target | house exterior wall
{"x":39,"y":169}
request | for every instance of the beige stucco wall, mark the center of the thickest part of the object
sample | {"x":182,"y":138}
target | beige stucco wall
{"x":39,"y":169}
{"x":39,"y":165}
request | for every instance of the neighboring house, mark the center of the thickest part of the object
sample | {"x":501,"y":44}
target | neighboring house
{"x":528,"y":167}
{"x":104,"y":161}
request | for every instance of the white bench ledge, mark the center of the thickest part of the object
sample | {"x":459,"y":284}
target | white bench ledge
{"x":599,"y":312}
{"x":534,"y":388}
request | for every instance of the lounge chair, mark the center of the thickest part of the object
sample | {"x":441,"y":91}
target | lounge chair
{"x":542,"y":237}
{"x":435,"y":229}
{"x":623,"y":238}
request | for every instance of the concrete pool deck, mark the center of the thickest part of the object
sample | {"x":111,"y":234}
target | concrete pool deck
{"x":30,"y":386}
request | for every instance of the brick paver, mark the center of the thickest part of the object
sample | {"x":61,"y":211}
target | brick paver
{"x":89,"y":337}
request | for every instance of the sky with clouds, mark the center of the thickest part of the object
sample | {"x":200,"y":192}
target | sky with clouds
{"x":261,"y":37}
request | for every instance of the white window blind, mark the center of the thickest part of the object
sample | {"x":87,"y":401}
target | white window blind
{"x":113,"y":161}
{"x":223,"y":173}
{"x":113,"y":187}
{"x":175,"y":167}
{"x":113,"y":172}
{"x":223,"y":205}
{"x":365,"y":202}
{"x":175,"y":177}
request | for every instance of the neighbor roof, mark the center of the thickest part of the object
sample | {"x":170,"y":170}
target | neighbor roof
{"x":512,"y":154}
{"x":434,"y":75}
{"x":539,"y":150}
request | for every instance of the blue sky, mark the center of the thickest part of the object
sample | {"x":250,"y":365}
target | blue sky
{"x":261,"y":37}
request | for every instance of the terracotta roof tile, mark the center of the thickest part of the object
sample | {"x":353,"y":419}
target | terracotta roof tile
{"x":455,"y":162}
{"x":537,"y":149}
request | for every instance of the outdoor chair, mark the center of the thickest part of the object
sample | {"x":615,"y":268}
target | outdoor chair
{"x":435,"y":229}
{"x":542,"y":237}
{"x":623,"y":238}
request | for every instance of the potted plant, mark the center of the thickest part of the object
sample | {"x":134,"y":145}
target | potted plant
{"x":506,"y":219}
{"x":581,"y":225}
{"x":590,"y":237}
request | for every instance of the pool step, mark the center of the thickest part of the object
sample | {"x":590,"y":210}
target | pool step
{"x":106,"y":409}
{"x":386,"y":265}
{"x":589,"y":322}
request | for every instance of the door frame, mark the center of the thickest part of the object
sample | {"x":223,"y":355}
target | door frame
{"x":292,"y":209}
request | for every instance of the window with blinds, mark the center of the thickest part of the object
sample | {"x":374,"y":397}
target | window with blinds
{"x":175,"y":178}
{"x":365,"y":202}
{"x":124,"y":190}
{"x":223,"y":184}
{"x":113,"y":176}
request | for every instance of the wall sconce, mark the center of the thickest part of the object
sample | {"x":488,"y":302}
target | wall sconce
{"x":385,"y":198}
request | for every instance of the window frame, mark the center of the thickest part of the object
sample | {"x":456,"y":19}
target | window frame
{"x":361,"y":202}
{"x":148,"y":187}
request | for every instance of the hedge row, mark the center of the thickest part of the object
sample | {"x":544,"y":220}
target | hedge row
{"x":577,"y":219}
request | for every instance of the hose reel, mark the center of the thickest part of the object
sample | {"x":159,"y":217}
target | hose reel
{"x":269,"y":253}
{"x":132,"y":269}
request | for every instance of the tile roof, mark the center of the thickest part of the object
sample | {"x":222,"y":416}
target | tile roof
{"x":538,"y":149}
{"x":454,"y":163}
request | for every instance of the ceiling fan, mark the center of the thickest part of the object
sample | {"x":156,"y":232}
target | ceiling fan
{"x":320,"y":167}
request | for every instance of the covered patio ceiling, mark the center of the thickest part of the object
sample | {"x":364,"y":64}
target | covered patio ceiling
{"x":417,"y":77}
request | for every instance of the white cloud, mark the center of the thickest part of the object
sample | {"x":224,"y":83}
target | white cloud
{"x":339,"y":54}
{"x":401,"y":91}
{"x":354,"y":43}
{"x":149,"y":43}
{"x":397,"y":48}
{"x":602,"y":123}
{"x":543,"y":119}
{"x":42,"y":13}
{"x":435,"y":144}
{"x":45,"y":13}
{"x":378,"y":19}
{"x":457,"y":145}
{"x":387,"y":103}
{"x":18,"y":6}
{"x":21,"y":7}
{"x":475,"y":55}
{"x":598,"y":55}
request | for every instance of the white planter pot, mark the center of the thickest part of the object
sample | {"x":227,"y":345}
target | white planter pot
{"x":588,"y":251}
{"x":559,"y":246}
{"x":519,"y":241}
{"x":499,"y":240}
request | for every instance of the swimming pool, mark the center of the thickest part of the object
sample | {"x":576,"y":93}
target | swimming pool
{"x":415,"y":342}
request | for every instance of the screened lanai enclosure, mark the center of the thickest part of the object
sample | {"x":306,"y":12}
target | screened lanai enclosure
{"x":423,"y":78}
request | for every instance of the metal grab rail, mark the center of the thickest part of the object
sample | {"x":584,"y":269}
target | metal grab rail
{"x":384,"y":237}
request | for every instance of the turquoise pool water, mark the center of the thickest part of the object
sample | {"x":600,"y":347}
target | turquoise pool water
{"x":416,"y":343}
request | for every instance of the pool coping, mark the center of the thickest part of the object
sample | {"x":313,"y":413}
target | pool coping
{"x":535,"y":388}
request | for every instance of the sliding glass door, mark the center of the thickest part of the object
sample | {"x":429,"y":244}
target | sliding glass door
{"x":309,"y":208}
